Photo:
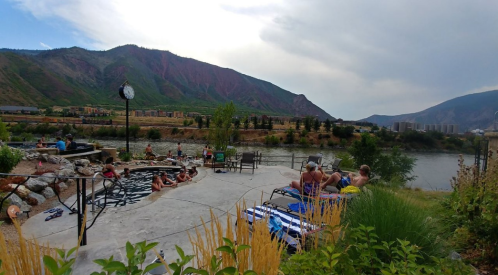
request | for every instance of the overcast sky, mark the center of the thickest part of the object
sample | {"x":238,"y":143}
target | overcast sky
{"x":352,"y":58}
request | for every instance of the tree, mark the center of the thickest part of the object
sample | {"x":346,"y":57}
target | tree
{"x":307,"y":123}
{"x":289,"y":136}
{"x":298,"y":124}
{"x":4,"y":134}
{"x":246,"y":123}
{"x":328,"y":125}
{"x":365,"y":150}
{"x":237,"y":123}
{"x":255,"y":122}
{"x":375,"y":128}
{"x":199,"y":122}
{"x":208,"y":120}
{"x":270,"y":124}
{"x":219,"y":134}
{"x":134,"y":130}
{"x":316,"y":125}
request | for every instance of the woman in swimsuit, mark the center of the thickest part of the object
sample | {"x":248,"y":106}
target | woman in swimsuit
{"x":310,"y":180}
{"x":109,"y":171}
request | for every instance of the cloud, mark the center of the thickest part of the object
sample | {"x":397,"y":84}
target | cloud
{"x":351,"y":58}
{"x":45,"y":46}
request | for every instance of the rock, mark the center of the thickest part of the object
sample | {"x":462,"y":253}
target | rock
{"x":69,"y":166}
{"x":66,"y":173}
{"x":82,"y":162}
{"x":35,"y":185}
{"x":85,"y":171}
{"x":25,"y":207}
{"x":24,"y":158}
{"x":35,"y":196}
{"x":48,"y":192}
{"x":62,"y":186}
{"x":15,"y":200}
{"x":47,"y":177}
{"x":43,"y":157}
{"x":22,"y":191}
{"x":53,"y":159}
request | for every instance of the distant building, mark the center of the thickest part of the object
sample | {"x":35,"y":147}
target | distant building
{"x":18,"y":110}
{"x":443,"y":128}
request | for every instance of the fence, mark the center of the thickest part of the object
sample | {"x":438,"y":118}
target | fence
{"x":285,"y":160}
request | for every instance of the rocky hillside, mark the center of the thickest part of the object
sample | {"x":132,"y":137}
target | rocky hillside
{"x":161,"y":80}
{"x":469,"y":112}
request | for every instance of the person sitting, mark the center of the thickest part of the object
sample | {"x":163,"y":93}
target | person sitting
{"x":71,"y":144}
{"x":40,"y":144}
{"x":164,"y":178}
{"x":148,"y":152}
{"x":109,"y":171}
{"x":60,"y":145}
{"x":126,"y":173}
{"x":157,"y":184}
{"x":309,"y":183}
{"x":340,"y":182}
{"x":193,"y":172}
{"x":169,"y":155}
{"x":183,"y":177}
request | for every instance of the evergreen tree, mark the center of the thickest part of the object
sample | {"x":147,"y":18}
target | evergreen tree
{"x":316,"y":125}
{"x":270,"y":124}
{"x":199,"y":122}
{"x":255,"y":122}
{"x":328,"y":125}
{"x":298,"y":124}
{"x":246,"y":123}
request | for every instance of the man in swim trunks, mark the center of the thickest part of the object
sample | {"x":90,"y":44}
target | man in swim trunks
{"x":183,"y":177}
{"x":340,"y":182}
{"x":179,"y":149}
{"x":148,"y":152}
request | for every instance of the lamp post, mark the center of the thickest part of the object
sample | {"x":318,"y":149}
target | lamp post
{"x":126,"y":92}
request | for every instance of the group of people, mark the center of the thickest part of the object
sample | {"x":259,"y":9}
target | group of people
{"x":207,"y":154}
{"x":314,"y":179}
{"x":61,"y":145}
{"x":158,"y":181}
{"x":149,"y":154}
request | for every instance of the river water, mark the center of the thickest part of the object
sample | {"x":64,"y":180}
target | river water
{"x":433,"y":170}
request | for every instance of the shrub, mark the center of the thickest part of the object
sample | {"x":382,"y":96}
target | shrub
{"x":154,"y":134}
{"x":134,"y":130}
{"x":9,"y":158}
{"x":125,"y":156}
{"x":303,"y":141}
{"x":174,"y":131}
{"x":289,"y":136}
{"x":394,"y":218}
{"x":16,"y":139}
{"x":4,"y":134}
{"x":272,"y":140}
{"x":347,"y":160}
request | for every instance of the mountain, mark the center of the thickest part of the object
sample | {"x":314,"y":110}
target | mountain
{"x":469,"y":112}
{"x":75,"y":76}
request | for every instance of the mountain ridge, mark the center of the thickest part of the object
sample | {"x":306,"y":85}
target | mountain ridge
{"x":74,"y":75}
{"x":469,"y":111}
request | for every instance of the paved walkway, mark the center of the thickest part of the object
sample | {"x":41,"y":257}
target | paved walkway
{"x":163,"y":217}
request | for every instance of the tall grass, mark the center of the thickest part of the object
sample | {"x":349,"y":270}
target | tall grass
{"x":396,"y":217}
{"x":263,"y":257}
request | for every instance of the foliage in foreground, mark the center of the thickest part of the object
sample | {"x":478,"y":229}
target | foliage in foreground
{"x":9,"y":158}
{"x":474,"y":206}
{"x":366,"y":254}
{"x":395,"y":217}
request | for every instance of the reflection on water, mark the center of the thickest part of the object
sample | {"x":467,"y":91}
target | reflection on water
{"x":433,"y":170}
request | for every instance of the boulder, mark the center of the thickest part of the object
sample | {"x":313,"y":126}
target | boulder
{"x":66,"y":173}
{"x":14,"y":199}
{"x":53,"y":159}
{"x":82,"y":162}
{"x":35,"y":185}
{"x":22,"y":191}
{"x":68,"y":166}
{"x":25,"y":207}
{"x":85,"y":171}
{"x":47,"y":177}
{"x":43,"y":157}
{"x":48,"y":192}
{"x":35,"y":196}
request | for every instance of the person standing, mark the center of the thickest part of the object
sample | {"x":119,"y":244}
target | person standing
{"x":179,"y":149}
{"x":148,"y":152}
{"x":60,"y":144}
{"x":204,"y":153}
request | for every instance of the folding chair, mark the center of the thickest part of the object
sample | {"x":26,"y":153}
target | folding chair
{"x":248,"y":161}
{"x":315,"y":159}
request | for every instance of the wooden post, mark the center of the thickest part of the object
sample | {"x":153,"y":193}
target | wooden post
{"x":292,"y":163}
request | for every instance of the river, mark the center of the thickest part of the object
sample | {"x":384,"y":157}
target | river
{"x":433,"y":170}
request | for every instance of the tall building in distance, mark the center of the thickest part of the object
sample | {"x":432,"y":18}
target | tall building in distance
{"x":404,"y":126}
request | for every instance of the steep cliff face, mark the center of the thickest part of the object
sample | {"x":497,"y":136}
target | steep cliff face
{"x":160,"y":78}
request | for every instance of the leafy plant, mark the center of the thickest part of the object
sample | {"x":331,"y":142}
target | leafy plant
{"x":154,"y":134}
{"x":135,"y":255}
{"x":4,"y":134}
{"x":125,"y":156}
{"x":219,"y":134}
{"x":62,"y":266}
{"x":9,"y":158}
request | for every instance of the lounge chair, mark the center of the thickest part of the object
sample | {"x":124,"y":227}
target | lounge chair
{"x":218,"y":160}
{"x":248,"y":161}
{"x":315,"y":159}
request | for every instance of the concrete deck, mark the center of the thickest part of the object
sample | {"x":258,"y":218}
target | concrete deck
{"x":163,"y":217}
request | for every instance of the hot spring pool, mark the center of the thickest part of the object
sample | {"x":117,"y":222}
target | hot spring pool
{"x":135,"y":188}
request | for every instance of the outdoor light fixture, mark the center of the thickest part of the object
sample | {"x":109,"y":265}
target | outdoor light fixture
{"x":126,"y":92}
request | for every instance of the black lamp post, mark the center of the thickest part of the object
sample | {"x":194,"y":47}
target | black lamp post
{"x":126,"y":92}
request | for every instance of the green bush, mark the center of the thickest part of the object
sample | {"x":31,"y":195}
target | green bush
{"x":395,"y":218}
{"x":303,"y":142}
{"x":125,"y":156}
{"x":4,"y":134}
{"x":347,"y":161}
{"x":174,"y":131}
{"x":9,"y":158}
{"x":289,"y":136}
{"x":16,"y":139}
{"x":154,"y":134}
{"x":272,"y":140}
{"x":134,"y":130}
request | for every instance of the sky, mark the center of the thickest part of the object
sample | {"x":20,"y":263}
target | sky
{"x":351,"y":58}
